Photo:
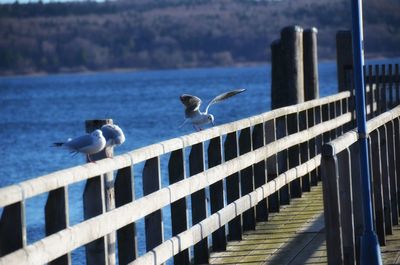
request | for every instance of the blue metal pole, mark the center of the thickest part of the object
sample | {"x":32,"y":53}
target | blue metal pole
{"x":370,"y":251}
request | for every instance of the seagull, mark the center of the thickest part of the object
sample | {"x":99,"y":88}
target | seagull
{"x":87,"y":144}
{"x":113,"y":134}
{"x":193,"y":113}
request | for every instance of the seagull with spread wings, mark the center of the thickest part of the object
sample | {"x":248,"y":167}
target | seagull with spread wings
{"x":192,"y":108}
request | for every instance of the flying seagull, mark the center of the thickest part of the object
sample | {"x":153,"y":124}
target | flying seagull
{"x":87,"y":144}
{"x":192,"y":108}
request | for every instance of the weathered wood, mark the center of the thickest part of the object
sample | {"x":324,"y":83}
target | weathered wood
{"x":294,"y":154}
{"x":344,"y":58}
{"x":379,"y":98}
{"x":396,"y":130}
{"x":372,"y":96}
{"x":391,"y":155}
{"x":153,"y":223}
{"x":385,"y":179}
{"x":246,"y":179}
{"x":216,"y":193}
{"x":383,"y":84}
{"x":312,"y":148}
{"x":326,"y":137}
{"x":292,"y":56}
{"x":12,"y":228}
{"x":199,"y":207}
{"x":260,"y":177}
{"x":389,"y":80}
{"x":375,"y":157}
{"x":304,"y":151}
{"x":397,"y":82}
{"x":310,"y":57}
{"x":272,"y":165}
{"x":329,"y":170}
{"x":282,"y":158}
{"x":179,"y":218}
{"x":232,"y":186}
{"x":98,"y":197}
{"x":57,"y":218}
{"x":126,"y":236}
{"x":346,"y":207}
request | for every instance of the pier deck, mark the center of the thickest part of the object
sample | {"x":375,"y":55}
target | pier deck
{"x":295,"y":235}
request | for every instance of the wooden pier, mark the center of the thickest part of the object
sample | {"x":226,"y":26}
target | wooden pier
{"x":231,"y":186}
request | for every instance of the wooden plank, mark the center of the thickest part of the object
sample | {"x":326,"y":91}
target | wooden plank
{"x":391,"y":155}
{"x":57,"y":218}
{"x":384,"y":92}
{"x":294,"y":154}
{"x":153,"y":222}
{"x":396,"y":130}
{"x":312,"y":149}
{"x":179,"y":218}
{"x":199,"y":207}
{"x":389,"y":80}
{"x":329,"y":170}
{"x":379,"y":98}
{"x":387,"y":207}
{"x":375,"y":158}
{"x":346,"y":207}
{"x":272,"y":165}
{"x":356,"y":185}
{"x":326,"y":137}
{"x":372,"y":98}
{"x":282,"y":157}
{"x":397,"y":83}
{"x":126,"y":236}
{"x":216,"y":193}
{"x":260,"y":177}
{"x":232,"y":186}
{"x":12,"y":228}
{"x":246,"y":179}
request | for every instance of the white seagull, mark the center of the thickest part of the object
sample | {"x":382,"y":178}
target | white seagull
{"x":87,"y":144}
{"x":113,"y":134}
{"x":193,"y":113}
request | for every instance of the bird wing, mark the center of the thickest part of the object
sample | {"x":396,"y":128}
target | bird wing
{"x":79,"y":144}
{"x":191,"y":103}
{"x":224,"y":96}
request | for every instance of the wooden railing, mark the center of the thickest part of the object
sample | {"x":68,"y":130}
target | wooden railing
{"x":342,"y":186}
{"x":254,"y":165}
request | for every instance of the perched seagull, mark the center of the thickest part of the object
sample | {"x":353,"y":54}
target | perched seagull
{"x":113,"y":134}
{"x":193,"y":113}
{"x":87,"y":144}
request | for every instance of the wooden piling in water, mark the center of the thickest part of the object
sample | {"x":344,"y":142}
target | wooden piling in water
{"x":344,"y":59}
{"x":310,"y":65}
{"x":99,"y":197}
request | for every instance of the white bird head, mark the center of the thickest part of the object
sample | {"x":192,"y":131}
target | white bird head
{"x":97,"y":134}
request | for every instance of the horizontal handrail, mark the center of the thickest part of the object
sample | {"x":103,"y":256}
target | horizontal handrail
{"x":342,"y":142}
{"x":66,"y":240}
{"x":58,"y":179}
{"x":188,"y":238}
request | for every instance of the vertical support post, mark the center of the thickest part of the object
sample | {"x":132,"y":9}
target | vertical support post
{"x":216,"y":193}
{"x":344,"y":59}
{"x":391,"y":147}
{"x":272,"y":165}
{"x":199,"y":207}
{"x":57,"y":218}
{"x":310,"y":56}
{"x":153,"y":222}
{"x":95,"y":202}
{"x":12,"y":228}
{"x":126,"y":236}
{"x":232,"y":186}
{"x":260,"y":178}
{"x":179,"y":219}
{"x":294,"y":155}
{"x":246,"y":179}
{"x":330,"y":185}
{"x":304,"y":151}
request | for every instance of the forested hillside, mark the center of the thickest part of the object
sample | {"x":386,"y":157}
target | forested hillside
{"x":81,"y":36}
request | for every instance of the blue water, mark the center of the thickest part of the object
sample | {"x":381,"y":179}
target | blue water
{"x":37,"y":111}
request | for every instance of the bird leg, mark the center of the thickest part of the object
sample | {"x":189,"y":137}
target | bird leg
{"x":88,"y":158}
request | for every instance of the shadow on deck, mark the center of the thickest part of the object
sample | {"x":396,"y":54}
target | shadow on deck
{"x":295,"y":235}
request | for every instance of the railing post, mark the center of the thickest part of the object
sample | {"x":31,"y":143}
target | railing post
{"x":294,"y":155}
{"x":199,"y":206}
{"x":310,"y":57}
{"x":272,"y":165}
{"x":246,"y":179}
{"x":344,"y":59}
{"x":330,"y":185}
{"x":96,"y":202}
{"x":305,"y":150}
{"x":396,"y":146}
{"x":57,"y":218}
{"x":12,"y":228}
{"x":179,"y":219}
{"x":153,"y":222}
{"x":126,"y":236}
{"x":259,"y":172}
{"x":233,"y":186}
{"x":377,"y":186}
{"x":216,"y":193}
{"x":392,"y":160}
